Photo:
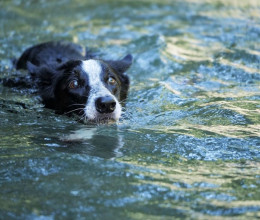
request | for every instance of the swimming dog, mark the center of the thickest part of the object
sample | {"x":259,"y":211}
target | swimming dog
{"x":72,"y":83}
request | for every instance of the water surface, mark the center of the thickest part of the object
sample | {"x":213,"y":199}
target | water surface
{"x":188,"y":145}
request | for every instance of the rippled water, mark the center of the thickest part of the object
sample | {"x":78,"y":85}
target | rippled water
{"x":188,"y":145}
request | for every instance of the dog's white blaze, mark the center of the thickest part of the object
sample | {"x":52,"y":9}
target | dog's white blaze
{"x":97,"y":89}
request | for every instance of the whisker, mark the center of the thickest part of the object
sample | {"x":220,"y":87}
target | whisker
{"x":84,"y":118}
{"x":74,"y":110}
{"x":77,"y":104}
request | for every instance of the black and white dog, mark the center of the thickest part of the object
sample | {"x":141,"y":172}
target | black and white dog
{"x":69,"y":82}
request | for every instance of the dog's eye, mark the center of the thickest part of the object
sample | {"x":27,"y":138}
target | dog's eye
{"x":111,"y":81}
{"x":73,"y":84}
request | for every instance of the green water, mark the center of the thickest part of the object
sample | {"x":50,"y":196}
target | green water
{"x":188,"y":146}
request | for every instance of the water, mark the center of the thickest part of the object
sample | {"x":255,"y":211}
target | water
{"x":188,"y":145}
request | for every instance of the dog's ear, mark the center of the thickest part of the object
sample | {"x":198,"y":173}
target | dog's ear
{"x":45,"y":78}
{"x":32,"y":68}
{"x":121,"y":66}
{"x":42,"y":74}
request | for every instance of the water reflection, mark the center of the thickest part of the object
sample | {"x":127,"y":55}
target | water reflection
{"x":93,"y":142}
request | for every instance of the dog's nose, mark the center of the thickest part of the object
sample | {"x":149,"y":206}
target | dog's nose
{"x":105,"y":104}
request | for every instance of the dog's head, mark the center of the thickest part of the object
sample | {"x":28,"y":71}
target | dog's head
{"x":93,"y":89}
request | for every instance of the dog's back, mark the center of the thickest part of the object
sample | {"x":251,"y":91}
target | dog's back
{"x":50,"y":53}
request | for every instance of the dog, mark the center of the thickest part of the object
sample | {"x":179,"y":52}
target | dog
{"x":72,"y":83}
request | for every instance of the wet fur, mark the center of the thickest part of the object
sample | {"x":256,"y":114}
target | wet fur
{"x":53,"y":65}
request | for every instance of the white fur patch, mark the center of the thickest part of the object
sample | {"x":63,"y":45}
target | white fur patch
{"x":97,"y":89}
